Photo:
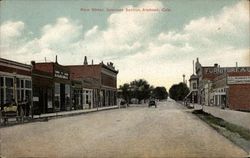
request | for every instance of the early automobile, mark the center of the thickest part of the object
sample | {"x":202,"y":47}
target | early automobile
{"x":152,"y":103}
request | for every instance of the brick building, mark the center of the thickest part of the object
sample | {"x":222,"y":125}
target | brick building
{"x":220,"y":86}
{"x":15,"y":82}
{"x":51,"y":87}
{"x":98,"y":84}
{"x":232,"y":90}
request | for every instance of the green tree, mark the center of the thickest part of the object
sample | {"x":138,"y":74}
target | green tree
{"x":160,"y":93}
{"x":126,"y":93}
{"x":141,"y":89}
{"x":178,"y":91}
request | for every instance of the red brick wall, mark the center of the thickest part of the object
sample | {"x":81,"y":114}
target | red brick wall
{"x":239,"y":97}
{"x":17,"y":71}
{"x":81,"y":71}
{"x":47,"y":67}
{"x":238,"y":73}
{"x":108,"y":80}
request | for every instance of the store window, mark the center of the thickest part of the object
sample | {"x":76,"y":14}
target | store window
{"x":18,"y":83}
{"x":9,"y":82}
{"x":49,"y":97}
{"x":9,"y":89}
{"x":27,"y":84}
{"x":1,"y":81}
{"x":57,"y":96}
{"x":1,"y":90}
{"x":67,"y":94}
{"x":22,"y":83}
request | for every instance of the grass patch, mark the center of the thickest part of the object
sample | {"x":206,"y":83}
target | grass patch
{"x":211,"y":120}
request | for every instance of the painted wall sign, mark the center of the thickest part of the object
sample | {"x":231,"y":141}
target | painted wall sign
{"x":238,"y":80}
{"x":224,"y":70}
{"x":60,"y":74}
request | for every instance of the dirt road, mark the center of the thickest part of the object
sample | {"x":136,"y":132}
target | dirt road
{"x":138,"y":131}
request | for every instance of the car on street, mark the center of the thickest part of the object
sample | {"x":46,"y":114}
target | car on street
{"x":152,"y":103}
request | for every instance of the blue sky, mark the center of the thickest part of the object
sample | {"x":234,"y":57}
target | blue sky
{"x":156,"y":46}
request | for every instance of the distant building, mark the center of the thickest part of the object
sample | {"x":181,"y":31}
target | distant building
{"x":192,"y":97}
{"x":220,"y":86}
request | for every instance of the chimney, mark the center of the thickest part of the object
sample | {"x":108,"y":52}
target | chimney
{"x":92,"y":62}
{"x":215,"y":65}
{"x":183,"y":78}
{"x":236,"y":66}
{"x":56,"y":58}
{"x":33,"y":64}
{"x":85,"y":61}
{"x":193,"y":66}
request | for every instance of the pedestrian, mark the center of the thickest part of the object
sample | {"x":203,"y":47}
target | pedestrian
{"x":27,"y":107}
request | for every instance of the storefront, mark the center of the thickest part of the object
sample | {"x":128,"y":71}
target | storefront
{"x":76,"y":93}
{"x":15,"y":82}
{"x":42,"y":92}
{"x":99,"y":84}
{"x":58,"y":87}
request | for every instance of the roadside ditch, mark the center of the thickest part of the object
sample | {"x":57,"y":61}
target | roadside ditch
{"x":236,"y":134}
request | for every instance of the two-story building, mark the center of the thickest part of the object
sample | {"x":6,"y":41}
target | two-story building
{"x":52,"y":87}
{"x":214,"y":82}
{"x":97,"y":84}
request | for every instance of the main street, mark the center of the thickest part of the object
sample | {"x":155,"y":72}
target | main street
{"x":138,"y":131}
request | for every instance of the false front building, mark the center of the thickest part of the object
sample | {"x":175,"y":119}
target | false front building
{"x":93,"y":86}
{"x":51,"y":87}
{"x":224,"y":86}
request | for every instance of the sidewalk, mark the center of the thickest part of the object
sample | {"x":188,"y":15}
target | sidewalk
{"x":232,"y":116}
{"x":75,"y":112}
{"x":12,"y":121}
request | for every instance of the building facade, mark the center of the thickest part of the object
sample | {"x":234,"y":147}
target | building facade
{"x":52,"y":87}
{"x":220,"y":86}
{"x":192,"y":97}
{"x":232,"y":90}
{"x":15,"y":82}
{"x":97,"y":84}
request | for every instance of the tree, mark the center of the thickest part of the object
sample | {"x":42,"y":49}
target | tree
{"x":178,"y":91}
{"x":160,"y":93}
{"x":125,"y":88}
{"x":141,"y":89}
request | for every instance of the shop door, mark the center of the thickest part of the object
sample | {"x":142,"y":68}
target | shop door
{"x":62,"y":94}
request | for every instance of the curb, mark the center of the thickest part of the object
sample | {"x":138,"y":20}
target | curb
{"x":47,"y":118}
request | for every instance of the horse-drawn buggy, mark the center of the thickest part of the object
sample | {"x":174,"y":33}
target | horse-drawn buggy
{"x":14,"y":111}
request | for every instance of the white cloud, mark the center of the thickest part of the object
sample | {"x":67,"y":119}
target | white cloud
{"x":124,"y":35}
{"x":11,"y":29}
{"x":230,"y":20}
{"x":62,"y":32}
{"x":137,"y":50}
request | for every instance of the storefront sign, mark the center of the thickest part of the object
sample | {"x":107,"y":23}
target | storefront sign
{"x":60,"y":74}
{"x":238,"y":80}
{"x":218,"y":70}
{"x":49,"y":104}
{"x":35,"y":98}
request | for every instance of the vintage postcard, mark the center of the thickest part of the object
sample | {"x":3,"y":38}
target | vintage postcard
{"x":124,"y":78}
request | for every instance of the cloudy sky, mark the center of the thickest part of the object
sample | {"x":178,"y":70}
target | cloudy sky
{"x":158,"y":46}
